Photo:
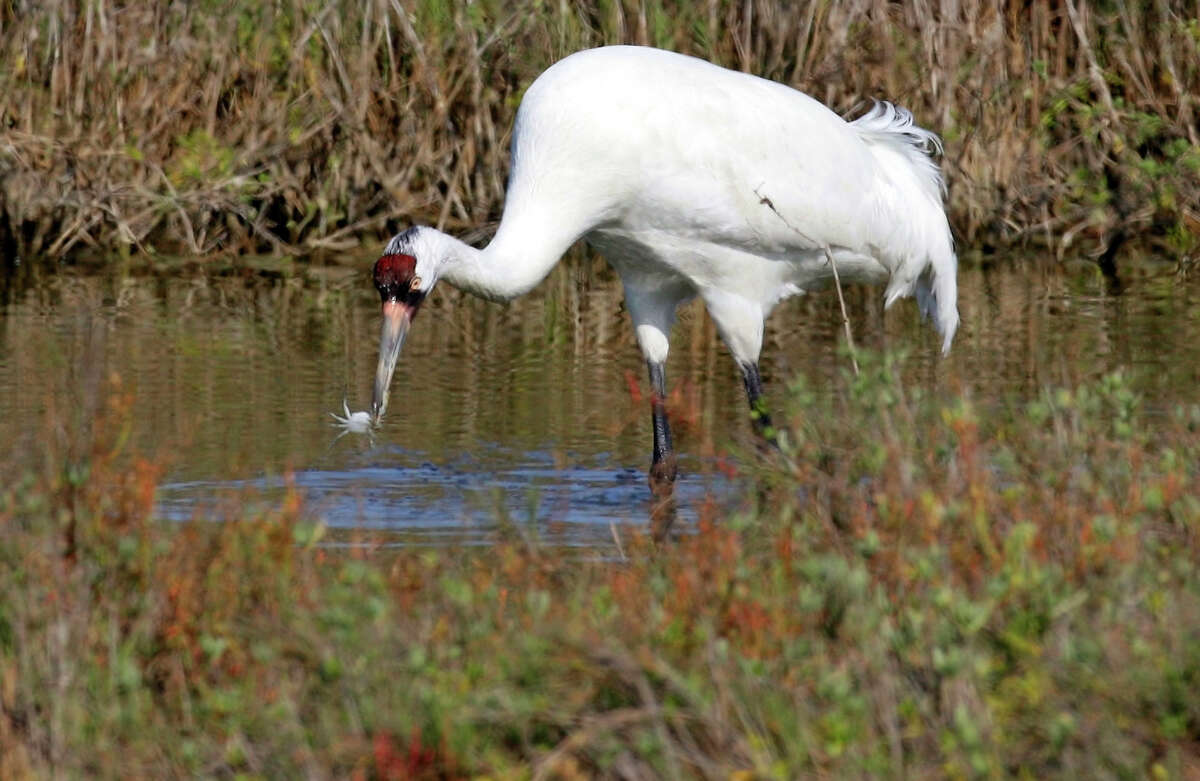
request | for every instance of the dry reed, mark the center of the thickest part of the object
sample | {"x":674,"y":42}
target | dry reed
{"x":301,"y":126}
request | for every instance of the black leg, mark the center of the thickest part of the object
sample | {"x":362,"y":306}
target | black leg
{"x":662,"y":465}
{"x":758,"y":407}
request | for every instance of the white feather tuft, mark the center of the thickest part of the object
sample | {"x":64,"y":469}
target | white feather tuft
{"x":909,"y":195}
{"x":887,"y":123}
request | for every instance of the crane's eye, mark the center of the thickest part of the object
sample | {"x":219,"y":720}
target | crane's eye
{"x":416,"y":283}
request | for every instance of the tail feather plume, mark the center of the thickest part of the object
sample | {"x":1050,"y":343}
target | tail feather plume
{"x":887,"y":123}
{"x":910,"y":200}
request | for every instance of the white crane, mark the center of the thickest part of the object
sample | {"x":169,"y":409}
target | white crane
{"x":693,"y":180}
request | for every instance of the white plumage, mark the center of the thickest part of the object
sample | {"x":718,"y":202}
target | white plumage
{"x":693,"y":180}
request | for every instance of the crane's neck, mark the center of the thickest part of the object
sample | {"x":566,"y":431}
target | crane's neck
{"x":519,"y":257}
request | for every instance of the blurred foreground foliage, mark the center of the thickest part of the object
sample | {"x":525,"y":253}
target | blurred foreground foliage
{"x":301,"y":125}
{"x":921,"y":587}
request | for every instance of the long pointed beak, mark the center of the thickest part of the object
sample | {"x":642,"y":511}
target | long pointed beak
{"x":396,"y":319}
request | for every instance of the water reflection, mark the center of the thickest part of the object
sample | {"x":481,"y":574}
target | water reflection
{"x":462,"y":501}
{"x":524,"y":410}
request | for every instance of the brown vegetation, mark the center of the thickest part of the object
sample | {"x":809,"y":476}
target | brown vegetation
{"x":297,"y":126}
{"x":963,"y":595}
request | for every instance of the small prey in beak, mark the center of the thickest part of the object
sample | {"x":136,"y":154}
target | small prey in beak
{"x":398,"y":286}
{"x":353,"y":422}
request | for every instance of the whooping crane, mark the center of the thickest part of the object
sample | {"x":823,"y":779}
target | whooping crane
{"x":693,"y":180}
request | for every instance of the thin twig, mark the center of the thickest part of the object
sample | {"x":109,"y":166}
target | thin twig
{"x":592,"y":729}
{"x":837,"y":280}
{"x":837,"y":283}
{"x":617,"y":539}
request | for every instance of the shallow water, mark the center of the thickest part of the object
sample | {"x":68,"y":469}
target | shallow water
{"x":526,"y":413}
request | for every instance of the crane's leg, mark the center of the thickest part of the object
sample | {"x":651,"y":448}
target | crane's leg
{"x":739,"y":321}
{"x":652,"y":305}
{"x":663,"y":467}
{"x":758,"y":406}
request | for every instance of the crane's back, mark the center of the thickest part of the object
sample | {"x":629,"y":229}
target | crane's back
{"x":633,"y":130}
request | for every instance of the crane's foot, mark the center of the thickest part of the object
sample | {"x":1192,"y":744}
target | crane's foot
{"x":662,"y":476}
{"x":768,"y":437}
{"x":662,"y":518}
{"x":663,"y":508}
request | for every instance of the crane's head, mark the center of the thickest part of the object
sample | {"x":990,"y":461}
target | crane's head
{"x":402,"y":287}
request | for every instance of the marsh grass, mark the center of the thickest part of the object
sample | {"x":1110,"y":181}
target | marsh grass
{"x":962,"y":592}
{"x":296,"y":126}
